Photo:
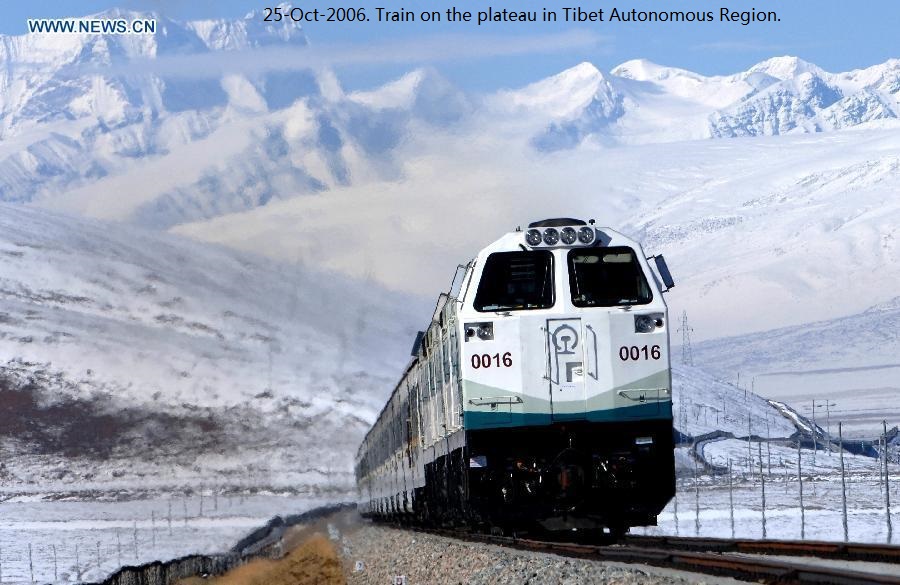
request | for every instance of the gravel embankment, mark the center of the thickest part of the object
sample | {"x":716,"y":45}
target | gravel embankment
{"x":425,"y":559}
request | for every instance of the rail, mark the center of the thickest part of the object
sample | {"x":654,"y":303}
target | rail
{"x":746,"y":560}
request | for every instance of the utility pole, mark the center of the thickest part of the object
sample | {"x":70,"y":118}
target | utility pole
{"x":817,"y":403}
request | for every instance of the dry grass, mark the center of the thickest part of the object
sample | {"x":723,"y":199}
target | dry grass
{"x":314,"y":561}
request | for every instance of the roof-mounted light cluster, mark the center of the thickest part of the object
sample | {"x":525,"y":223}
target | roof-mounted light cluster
{"x":564,"y":236}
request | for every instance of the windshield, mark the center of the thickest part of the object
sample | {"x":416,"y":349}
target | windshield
{"x":606,"y":277}
{"x":516,"y":280}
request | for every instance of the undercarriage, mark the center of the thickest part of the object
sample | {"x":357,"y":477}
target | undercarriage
{"x":573,"y":476}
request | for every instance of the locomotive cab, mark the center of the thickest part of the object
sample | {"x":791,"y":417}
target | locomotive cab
{"x":566,"y":380}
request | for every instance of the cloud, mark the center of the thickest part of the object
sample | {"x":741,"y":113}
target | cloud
{"x":417,"y":50}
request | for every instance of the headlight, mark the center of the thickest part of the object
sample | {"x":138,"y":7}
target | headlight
{"x":586,"y":235}
{"x":568,"y":235}
{"x":533,"y":237}
{"x":647,"y":323}
{"x":551,"y":236}
{"x":483,"y":331}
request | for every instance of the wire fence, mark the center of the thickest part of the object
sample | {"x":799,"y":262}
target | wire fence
{"x":171,"y":527}
{"x":786,"y":489}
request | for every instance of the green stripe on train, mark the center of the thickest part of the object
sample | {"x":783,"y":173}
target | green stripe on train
{"x":504,"y":419}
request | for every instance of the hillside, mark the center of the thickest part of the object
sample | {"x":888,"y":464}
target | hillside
{"x":122,"y":345}
{"x":849,"y":363}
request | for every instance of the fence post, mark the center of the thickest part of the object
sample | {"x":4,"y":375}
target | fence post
{"x":887,"y":487}
{"x":55,"y":571}
{"x":675,"y":511}
{"x":763,"y":478}
{"x":800,"y":479}
{"x":781,"y":461}
{"x":77,"y":565}
{"x":815,"y":444}
{"x":153,"y":528}
{"x":696,"y":502}
{"x":731,"y":498}
{"x":30,"y":563}
{"x":99,"y":562}
{"x":843,"y":481}
{"x":749,"y":445}
{"x":134,"y":528}
{"x":118,"y":547}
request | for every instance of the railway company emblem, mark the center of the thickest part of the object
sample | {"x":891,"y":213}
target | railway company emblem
{"x":565,"y":339}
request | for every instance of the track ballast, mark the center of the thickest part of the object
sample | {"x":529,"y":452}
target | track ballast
{"x":747,"y":560}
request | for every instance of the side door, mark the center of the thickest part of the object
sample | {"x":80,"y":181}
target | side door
{"x":565,"y":345}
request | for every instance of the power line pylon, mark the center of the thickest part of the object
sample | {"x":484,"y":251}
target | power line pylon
{"x":687,"y":355}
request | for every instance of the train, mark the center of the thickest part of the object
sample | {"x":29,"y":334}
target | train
{"x":539,"y":398}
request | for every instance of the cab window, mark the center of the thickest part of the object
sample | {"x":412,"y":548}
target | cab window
{"x":513,"y":281}
{"x":607,"y":277}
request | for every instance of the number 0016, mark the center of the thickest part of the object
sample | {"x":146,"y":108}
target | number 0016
{"x":486,"y":360}
{"x":634,"y":353}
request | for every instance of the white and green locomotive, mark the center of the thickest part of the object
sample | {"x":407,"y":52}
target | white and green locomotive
{"x":540,"y":395}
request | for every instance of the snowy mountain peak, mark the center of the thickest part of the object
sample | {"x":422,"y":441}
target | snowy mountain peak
{"x":562,"y":95}
{"x":644,"y":70}
{"x":786,"y":67}
{"x":583,"y":70}
{"x":399,"y":93}
{"x":251,"y":31}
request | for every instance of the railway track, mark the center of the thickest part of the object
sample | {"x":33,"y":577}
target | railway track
{"x":843,"y":551}
{"x":747,"y":560}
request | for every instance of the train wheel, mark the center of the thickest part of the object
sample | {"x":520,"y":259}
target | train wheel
{"x":617,"y":530}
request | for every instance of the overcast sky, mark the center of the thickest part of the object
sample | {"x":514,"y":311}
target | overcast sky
{"x":836,"y":34}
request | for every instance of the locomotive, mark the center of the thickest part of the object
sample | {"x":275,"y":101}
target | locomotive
{"x":539,"y":397}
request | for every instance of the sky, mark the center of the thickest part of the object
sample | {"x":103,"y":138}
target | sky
{"x":835,"y":34}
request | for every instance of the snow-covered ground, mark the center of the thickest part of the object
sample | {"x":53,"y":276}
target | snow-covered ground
{"x":704,"y":507}
{"x":779,"y":458}
{"x":73,"y":541}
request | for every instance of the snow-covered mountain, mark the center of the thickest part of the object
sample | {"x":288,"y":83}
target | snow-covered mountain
{"x":120,"y":344}
{"x":163,"y":129}
{"x":642,"y":102}
{"x":850,"y":363}
{"x":85,"y":119}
